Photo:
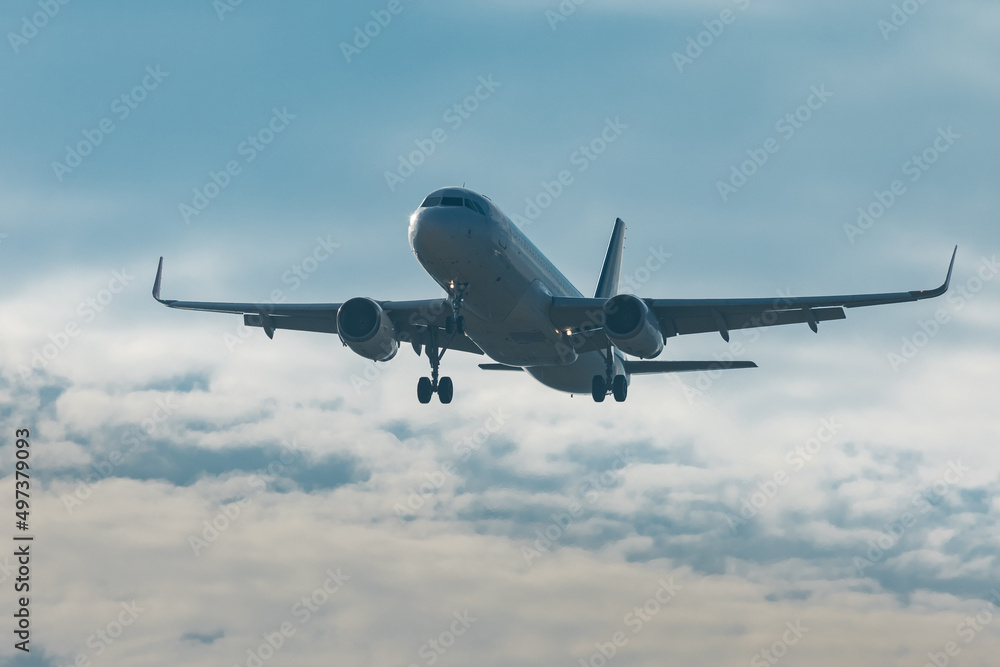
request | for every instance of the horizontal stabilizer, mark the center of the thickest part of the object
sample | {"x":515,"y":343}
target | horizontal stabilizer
{"x":643,"y":367}
{"x":499,"y":367}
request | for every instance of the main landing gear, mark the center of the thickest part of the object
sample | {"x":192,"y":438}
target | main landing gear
{"x":617,"y":383}
{"x":428,"y":386}
{"x":453,"y":324}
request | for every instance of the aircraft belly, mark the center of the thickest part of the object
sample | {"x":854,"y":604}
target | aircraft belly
{"x":575,"y":378}
{"x":525,"y":337}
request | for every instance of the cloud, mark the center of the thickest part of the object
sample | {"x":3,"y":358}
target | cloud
{"x":200,"y":481}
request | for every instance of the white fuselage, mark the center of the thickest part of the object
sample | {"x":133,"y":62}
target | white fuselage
{"x":510,"y":286}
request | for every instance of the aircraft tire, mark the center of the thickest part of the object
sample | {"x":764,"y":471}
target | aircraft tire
{"x":445,"y":390}
{"x":598,"y":389}
{"x":619,"y":387}
{"x":424,"y":390}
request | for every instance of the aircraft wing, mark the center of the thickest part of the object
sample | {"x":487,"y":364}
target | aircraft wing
{"x":679,"y":317}
{"x":411,"y":319}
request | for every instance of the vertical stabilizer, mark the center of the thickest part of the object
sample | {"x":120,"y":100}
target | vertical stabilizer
{"x":607,"y":286}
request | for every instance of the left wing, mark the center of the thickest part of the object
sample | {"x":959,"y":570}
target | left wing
{"x":411,"y":319}
{"x":678,"y":317}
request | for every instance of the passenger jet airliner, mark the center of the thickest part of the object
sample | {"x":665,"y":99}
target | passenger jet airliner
{"x":506,"y":300}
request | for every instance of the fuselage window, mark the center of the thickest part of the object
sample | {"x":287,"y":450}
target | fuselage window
{"x":431,"y":201}
{"x":451,"y":201}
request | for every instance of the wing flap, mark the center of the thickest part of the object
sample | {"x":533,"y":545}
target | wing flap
{"x":292,"y":322}
{"x":701,"y":320}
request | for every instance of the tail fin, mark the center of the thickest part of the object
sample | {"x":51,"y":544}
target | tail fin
{"x":607,"y":286}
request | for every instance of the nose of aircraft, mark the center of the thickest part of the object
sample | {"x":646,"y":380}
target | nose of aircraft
{"x":435,"y":231}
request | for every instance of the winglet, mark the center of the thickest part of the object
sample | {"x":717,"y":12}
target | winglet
{"x":156,"y":282}
{"x":930,"y":294}
{"x":951,"y":265}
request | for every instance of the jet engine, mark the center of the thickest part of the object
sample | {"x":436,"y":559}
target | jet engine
{"x":366,"y":329}
{"x":631,"y":326}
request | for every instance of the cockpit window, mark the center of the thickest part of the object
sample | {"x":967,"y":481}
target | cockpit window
{"x":474,"y":206}
{"x":451,"y":201}
{"x":431,"y":201}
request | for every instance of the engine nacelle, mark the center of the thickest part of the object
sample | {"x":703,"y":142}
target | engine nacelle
{"x":631,"y":326}
{"x":365,"y":328}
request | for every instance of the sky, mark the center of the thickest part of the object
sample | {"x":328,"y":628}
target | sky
{"x":202,"y":495}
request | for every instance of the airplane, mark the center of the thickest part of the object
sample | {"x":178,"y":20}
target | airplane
{"x":507,"y":301}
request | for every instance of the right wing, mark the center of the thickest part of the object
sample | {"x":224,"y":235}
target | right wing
{"x":413,"y":320}
{"x":678,"y":317}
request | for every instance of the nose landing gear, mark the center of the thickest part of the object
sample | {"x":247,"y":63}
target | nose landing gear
{"x":455,"y":323}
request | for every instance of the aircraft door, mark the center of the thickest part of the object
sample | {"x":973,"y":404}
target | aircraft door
{"x":501,"y":233}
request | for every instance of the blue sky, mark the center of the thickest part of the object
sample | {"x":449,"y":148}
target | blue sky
{"x":150,"y":423}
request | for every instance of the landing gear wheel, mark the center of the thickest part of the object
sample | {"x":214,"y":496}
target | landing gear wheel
{"x":424,"y":390}
{"x":598,"y":389}
{"x":427,"y":387}
{"x":460,"y":325}
{"x":445,"y":390}
{"x":619,"y":387}
{"x":449,"y":325}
